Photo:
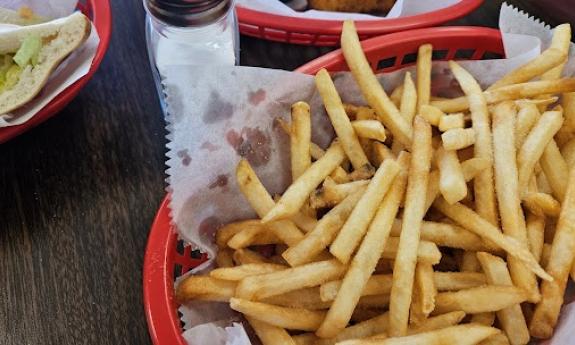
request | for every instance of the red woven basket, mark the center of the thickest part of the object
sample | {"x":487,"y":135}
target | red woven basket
{"x":167,"y":257}
{"x":317,"y":32}
{"x":99,"y":12}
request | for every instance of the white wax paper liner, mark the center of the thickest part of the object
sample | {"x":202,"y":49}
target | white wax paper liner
{"x":70,"y":70}
{"x":401,"y":8}
{"x":216,"y":115}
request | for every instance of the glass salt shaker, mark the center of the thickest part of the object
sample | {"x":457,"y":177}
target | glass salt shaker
{"x":190,"y":32}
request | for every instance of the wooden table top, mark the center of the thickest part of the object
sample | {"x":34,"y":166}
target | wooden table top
{"x":80,"y":191}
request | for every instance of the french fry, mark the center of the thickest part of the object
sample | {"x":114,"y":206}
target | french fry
{"x":426,"y":251}
{"x":535,"y":234}
{"x":339,"y":120}
{"x":526,"y":118}
{"x":375,"y":285}
{"x":380,"y":284}
{"x":509,"y":93}
{"x":453,"y":281}
{"x":300,"y":139}
{"x":447,"y":235}
{"x":423,"y":77}
{"x":324,"y":233}
{"x":370,"y":87}
{"x":451,"y":180}
{"x":404,"y":267}
{"x":486,"y":319}
{"x":511,"y":318}
{"x":364,"y":314}
{"x":408,"y":99}
{"x":479,"y":300}
{"x":303,"y":221}
{"x":458,"y":138}
{"x":568,"y":150}
{"x":253,"y":235}
{"x":351,"y":110}
{"x":368,"y":254}
{"x":331,"y":193}
{"x":296,"y":195}
{"x":567,"y":131}
{"x":305,"y":339}
{"x":555,"y":168}
{"x":483,"y":183}
{"x":497,"y":339}
{"x":470,"y":220}
{"x":205,"y":289}
{"x":380,"y":153}
{"x":243,"y":271}
{"x":246,"y":256}
{"x":315,"y":151}
{"x":339,"y":175}
{"x":373,"y":326}
{"x":396,"y":95}
{"x":451,"y":121}
{"x":424,"y":293}
{"x":226,"y":232}
{"x":262,"y":202}
{"x":356,"y":225}
{"x":508,"y":200}
{"x":469,"y":334}
{"x":470,"y":168}
{"x":468,"y":262}
{"x":289,"y":318}
{"x":369,"y":129}
{"x":560,"y":263}
{"x":542,"y":204}
{"x":375,"y":301}
{"x":550,"y":58}
{"x":379,"y":129}
{"x":273,"y":284}
{"x":364,"y":173}
{"x":437,"y":322}
{"x":308,"y":298}
{"x":545,"y":254}
{"x":224,"y":258}
{"x":534,"y":145}
{"x":430,"y":113}
{"x":270,"y":335}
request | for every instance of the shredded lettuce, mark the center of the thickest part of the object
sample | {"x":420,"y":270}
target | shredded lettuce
{"x":28,"y":52}
{"x":12,"y":76}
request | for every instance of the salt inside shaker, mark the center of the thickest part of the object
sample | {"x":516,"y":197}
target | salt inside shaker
{"x":190,"y":32}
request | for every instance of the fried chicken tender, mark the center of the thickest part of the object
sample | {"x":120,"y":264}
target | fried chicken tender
{"x":364,"y":6}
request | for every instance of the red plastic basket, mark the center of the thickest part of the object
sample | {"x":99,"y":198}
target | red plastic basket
{"x":167,"y":257}
{"x":318,"y":32}
{"x":99,"y":12}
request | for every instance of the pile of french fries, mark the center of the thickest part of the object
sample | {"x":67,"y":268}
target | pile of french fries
{"x":426,"y":221}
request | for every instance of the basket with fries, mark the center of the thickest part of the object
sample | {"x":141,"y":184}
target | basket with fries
{"x":425,"y":220}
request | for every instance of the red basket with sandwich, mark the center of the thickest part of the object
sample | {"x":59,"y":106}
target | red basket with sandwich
{"x":98,"y":11}
{"x":167,"y":257}
{"x":321,"y":32}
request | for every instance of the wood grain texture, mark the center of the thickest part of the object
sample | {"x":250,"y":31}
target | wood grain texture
{"x":78,"y":195}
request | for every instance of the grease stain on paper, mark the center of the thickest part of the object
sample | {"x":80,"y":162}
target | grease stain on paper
{"x":220,"y":181}
{"x":250,"y":143}
{"x":185,"y":156}
{"x":255,"y":98}
{"x":218,"y":109}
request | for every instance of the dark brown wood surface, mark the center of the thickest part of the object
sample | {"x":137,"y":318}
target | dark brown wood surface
{"x":78,"y":193}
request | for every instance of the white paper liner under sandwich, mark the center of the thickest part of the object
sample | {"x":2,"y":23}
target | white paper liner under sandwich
{"x":70,"y":70}
{"x":218,"y":115}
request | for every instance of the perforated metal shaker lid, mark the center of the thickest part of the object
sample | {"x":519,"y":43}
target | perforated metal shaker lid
{"x":187,"y":12}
